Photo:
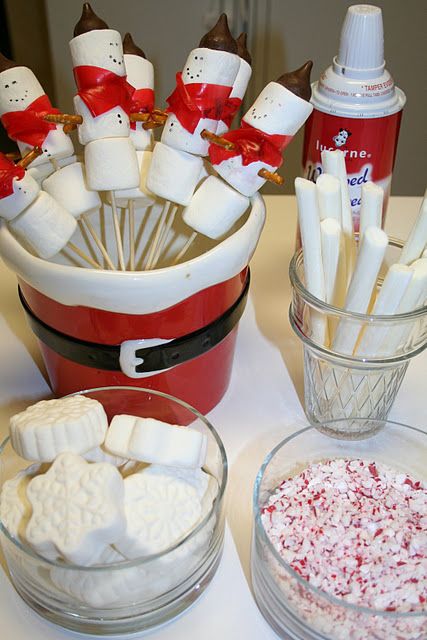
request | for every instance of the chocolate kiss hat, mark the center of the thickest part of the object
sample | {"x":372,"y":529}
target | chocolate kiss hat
{"x":5,"y":63}
{"x":89,"y":21}
{"x":242,"y":50}
{"x":130,"y":47}
{"x":219,"y":37}
{"x":298,"y":81}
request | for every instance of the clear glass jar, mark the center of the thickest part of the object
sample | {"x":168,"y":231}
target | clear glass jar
{"x":294,"y":608}
{"x":338,"y":386}
{"x":134,"y":595}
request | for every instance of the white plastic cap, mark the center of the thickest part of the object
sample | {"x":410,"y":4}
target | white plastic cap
{"x":362,"y":39}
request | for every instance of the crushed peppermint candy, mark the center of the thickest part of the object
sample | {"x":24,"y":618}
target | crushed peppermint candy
{"x":356,"y":530}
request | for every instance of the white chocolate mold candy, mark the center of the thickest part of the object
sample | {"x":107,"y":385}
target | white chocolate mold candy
{"x":15,"y":508}
{"x":161,"y":509}
{"x":50,"y":427}
{"x":156,"y":442}
{"x":77,"y":509}
{"x":104,"y":588}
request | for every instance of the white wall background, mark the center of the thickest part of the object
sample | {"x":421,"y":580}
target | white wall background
{"x":282,"y":33}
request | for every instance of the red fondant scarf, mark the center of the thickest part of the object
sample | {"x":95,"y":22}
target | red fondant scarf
{"x":142,"y":102}
{"x":230,"y":109}
{"x":8,"y":171}
{"x":102,"y":90}
{"x":28,"y":126}
{"x":253,"y":145}
{"x":192,"y":102}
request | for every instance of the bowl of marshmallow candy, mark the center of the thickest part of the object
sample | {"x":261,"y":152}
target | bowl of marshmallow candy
{"x":111,"y":520}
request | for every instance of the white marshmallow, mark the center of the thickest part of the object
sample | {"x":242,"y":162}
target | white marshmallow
{"x":50,"y":427}
{"x":111,"y":164}
{"x":42,"y":171}
{"x":45,"y":226}
{"x":173,"y":174}
{"x":176,"y":136}
{"x":278,"y":111}
{"x":64,"y":162}
{"x":211,"y":66}
{"x":142,"y":139}
{"x":68,"y":187}
{"x":160,"y":509}
{"x":243,"y":178}
{"x":99,"y":48}
{"x":214,"y":208}
{"x":156,"y":442}
{"x":141,"y":195}
{"x":15,"y":509}
{"x":111,"y":124}
{"x":77,"y":509}
{"x":25,"y":191}
{"x":139,"y":71}
{"x":56,"y":145}
{"x":240,"y":85}
{"x":19,"y":87}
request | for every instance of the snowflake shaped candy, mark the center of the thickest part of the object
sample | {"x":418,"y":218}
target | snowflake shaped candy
{"x":77,"y":509}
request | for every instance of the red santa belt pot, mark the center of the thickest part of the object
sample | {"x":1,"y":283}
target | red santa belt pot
{"x":171,"y":330}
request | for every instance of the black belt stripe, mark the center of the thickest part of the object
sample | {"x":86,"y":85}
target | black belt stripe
{"x":157,"y":358}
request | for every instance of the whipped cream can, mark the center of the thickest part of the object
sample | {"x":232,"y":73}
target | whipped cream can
{"x":357,"y":109}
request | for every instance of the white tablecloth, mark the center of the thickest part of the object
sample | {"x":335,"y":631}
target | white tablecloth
{"x":260,"y":408}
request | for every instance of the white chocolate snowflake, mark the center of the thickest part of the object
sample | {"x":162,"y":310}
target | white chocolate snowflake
{"x":77,"y":509}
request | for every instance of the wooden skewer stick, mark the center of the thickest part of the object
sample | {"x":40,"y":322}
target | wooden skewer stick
{"x":218,"y":140}
{"x":185,"y":248}
{"x":63,"y":118}
{"x":139,"y":117}
{"x":118,"y":235}
{"x":160,"y":227}
{"x":132,"y":235}
{"x":83,"y":255}
{"x":98,"y":242}
{"x":271,"y":177}
{"x":164,"y":237}
{"x":29,"y":157}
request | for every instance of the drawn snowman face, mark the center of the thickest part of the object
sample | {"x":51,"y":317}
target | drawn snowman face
{"x":268,"y":109}
{"x":211,"y":67}
{"x":99,"y":48}
{"x":19,"y":87}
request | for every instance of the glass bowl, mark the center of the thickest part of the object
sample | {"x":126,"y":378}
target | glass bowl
{"x":295,"y":609}
{"x":126,"y":596}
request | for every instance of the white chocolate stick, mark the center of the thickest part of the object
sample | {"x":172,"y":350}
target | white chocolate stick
{"x":371,"y":255}
{"x":309,"y":223}
{"x":334,"y":163}
{"x":387,"y":303}
{"x":417,"y":240}
{"x":371,"y":210}
{"x":185,"y":248}
{"x":165,"y":235}
{"x":414,"y":297}
{"x":131,"y":212}
{"x":117,"y":232}
{"x":328,"y":190}
{"x":332,"y":244}
{"x":160,"y":226}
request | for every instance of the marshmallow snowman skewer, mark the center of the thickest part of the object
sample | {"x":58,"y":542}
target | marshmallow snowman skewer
{"x":104,"y":101}
{"x":240,"y":85}
{"x":200,"y":99}
{"x":33,"y":215}
{"x":245,"y":158}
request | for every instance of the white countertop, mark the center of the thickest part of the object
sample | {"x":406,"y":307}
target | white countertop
{"x":260,"y":408}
